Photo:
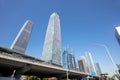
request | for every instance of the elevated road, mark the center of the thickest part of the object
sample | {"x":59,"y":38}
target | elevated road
{"x":22,"y":64}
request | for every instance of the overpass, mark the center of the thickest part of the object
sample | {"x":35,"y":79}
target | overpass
{"x":22,"y":64}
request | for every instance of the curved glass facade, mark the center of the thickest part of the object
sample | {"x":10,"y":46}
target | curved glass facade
{"x":68,"y":59}
{"x":52,"y":44}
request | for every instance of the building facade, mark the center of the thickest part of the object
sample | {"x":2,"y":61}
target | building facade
{"x":98,"y":69}
{"x":21,"y":40}
{"x":118,"y":66}
{"x":83,"y":66}
{"x":52,"y":44}
{"x":90,"y":62}
{"x":117,"y":34}
{"x":68,"y":59}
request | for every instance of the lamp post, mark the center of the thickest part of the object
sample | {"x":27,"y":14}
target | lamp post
{"x":67,"y":74}
{"x":108,"y":52}
{"x":12,"y":77}
{"x":67,"y":65}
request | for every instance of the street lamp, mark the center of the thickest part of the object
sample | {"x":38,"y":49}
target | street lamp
{"x":67,"y":65}
{"x":13,"y":74}
{"x":67,"y":74}
{"x":108,"y":52}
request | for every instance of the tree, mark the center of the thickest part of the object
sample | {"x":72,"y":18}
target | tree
{"x":32,"y":78}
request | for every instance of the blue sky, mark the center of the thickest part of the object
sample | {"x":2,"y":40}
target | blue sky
{"x":83,"y":24}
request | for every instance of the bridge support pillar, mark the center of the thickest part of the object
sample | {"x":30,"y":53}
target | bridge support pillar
{"x":22,"y":71}
{"x":41,"y":78}
{"x":59,"y":78}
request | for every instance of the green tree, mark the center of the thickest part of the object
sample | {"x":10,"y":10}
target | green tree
{"x":32,"y":78}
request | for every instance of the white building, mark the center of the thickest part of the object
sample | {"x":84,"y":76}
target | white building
{"x":82,"y":64}
{"x":90,"y":63}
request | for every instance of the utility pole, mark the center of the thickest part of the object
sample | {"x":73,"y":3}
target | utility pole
{"x":67,"y":66}
{"x":12,"y":76}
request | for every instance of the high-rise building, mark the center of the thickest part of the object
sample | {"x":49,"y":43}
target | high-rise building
{"x":117,"y":33}
{"x":83,"y":66}
{"x":52,"y":44}
{"x":68,"y":59}
{"x":90,"y":63}
{"x":98,"y":69}
{"x":21,"y":41}
{"x":118,"y":66}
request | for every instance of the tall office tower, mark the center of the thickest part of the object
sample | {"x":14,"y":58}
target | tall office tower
{"x":83,"y":66}
{"x":90,"y":63}
{"x":68,"y":59}
{"x":117,"y":33}
{"x":98,"y":69}
{"x":118,"y":66}
{"x":21,"y":41}
{"x":52,"y":44}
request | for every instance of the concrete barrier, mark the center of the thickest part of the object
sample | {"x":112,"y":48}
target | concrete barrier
{"x":6,"y":78}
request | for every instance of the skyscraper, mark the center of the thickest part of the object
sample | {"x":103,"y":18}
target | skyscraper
{"x":52,"y":44}
{"x":117,"y":34}
{"x":68,"y":59}
{"x":98,"y":69}
{"x":83,"y":66}
{"x":21,"y":41}
{"x":118,"y":66}
{"x":90,"y":63}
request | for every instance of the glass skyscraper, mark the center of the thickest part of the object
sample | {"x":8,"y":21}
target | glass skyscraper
{"x":68,"y":59}
{"x":21,"y":40}
{"x":117,"y":33}
{"x":52,"y":44}
{"x":90,"y":63}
